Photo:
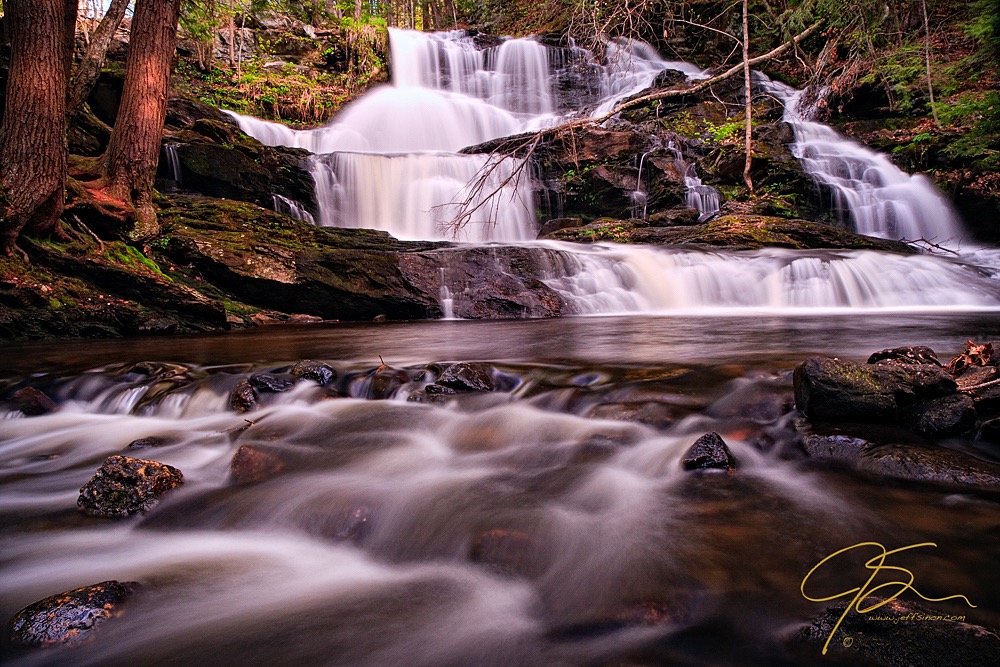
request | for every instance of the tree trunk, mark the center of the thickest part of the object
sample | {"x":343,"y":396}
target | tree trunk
{"x":33,"y":134}
{"x":748,"y":92}
{"x":134,"y":149}
{"x":93,"y":60}
{"x":357,"y":11}
{"x":70,"y":10}
{"x":425,"y":16}
{"x":232,"y":33}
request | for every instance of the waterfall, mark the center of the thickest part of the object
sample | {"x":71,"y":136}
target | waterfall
{"x":608,"y":279}
{"x":704,"y":198}
{"x":867,"y":189}
{"x":174,"y":163}
{"x":292,"y":208}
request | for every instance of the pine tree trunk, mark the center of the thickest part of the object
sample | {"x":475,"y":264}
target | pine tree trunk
{"x":134,"y":149}
{"x":33,"y":135}
{"x":93,"y":60}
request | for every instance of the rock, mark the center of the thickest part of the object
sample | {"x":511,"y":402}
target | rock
{"x":124,"y":486}
{"x":987,"y":401}
{"x":669,"y":78}
{"x":69,"y":618}
{"x":709,"y":452}
{"x":556,"y":224}
{"x":32,"y":402}
{"x":468,"y":377}
{"x":897,"y":634}
{"x":836,"y":448}
{"x":833,"y":389}
{"x":243,"y":397}
{"x":316,"y":371}
{"x":674,"y":217}
{"x":270,"y":383}
{"x":352,"y":525}
{"x":989,"y":431}
{"x":183,"y":112}
{"x":146,"y":443}
{"x":931,"y":465}
{"x":918,"y":354}
{"x":253,"y":464}
{"x":225,"y":173}
{"x":947,"y":415}
{"x":509,"y":551}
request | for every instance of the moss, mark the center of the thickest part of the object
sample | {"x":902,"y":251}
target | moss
{"x":130,"y":257}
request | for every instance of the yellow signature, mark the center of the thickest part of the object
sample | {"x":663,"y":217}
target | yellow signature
{"x":861,"y":593}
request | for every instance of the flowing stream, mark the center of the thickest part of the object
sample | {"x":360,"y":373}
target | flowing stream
{"x":547,"y":522}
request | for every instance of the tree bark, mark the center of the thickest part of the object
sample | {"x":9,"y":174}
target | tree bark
{"x":71,"y":9}
{"x":33,"y":134}
{"x":134,"y":149}
{"x":748,"y":93}
{"x":93,"y":60}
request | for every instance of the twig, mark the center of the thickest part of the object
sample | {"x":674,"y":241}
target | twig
{"x":982,"y":385}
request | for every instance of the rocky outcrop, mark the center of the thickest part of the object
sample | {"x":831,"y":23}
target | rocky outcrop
{"x":69,"y":618}
{"x":124,"y":486}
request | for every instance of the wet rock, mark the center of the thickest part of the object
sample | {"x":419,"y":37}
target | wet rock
{"x":931,"y":465}
{"x":668,"y":78}
{"x":316,"y":371}
{"x":69,"y":618}
{"x":833,"y":389}
{"x":897,"y":634}
{"x":467,"y":377}
{"x":352,"y":525}
{"x":918,"y":354}
{"x":508,"y":551}
{"x":253,"y":464}
{"x":556,"y":224}
{"x":146,"y":443}
{"x":32,"y":402}
{"x":947,"y":415}
{"x":837,"y":448}
{"x":124,"y":486}
{"x":987,"y":401}
{"x":270,"y":383}
{"x":674,"y":217}
{"x":243,"y":397}
{"x":709,"y":452}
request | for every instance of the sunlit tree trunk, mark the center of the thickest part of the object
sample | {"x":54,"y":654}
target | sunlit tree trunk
{"x":748,"y":92}
{"x":33,"y":133}
{"x":134,"y":148}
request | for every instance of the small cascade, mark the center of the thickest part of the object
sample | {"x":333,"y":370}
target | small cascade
{"x":292,"y":208}
{"x":704,"y":198}
{"x":632,"y":67}
{"x":866,"y":188}
{"x":174,"y":164}
{"x":447,"y":301}
{"x":640,"y":197}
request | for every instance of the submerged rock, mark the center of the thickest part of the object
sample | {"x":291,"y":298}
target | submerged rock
{"x":931,"y":465}
{"x":146,"y":443}
{"x":69,"y":618}
{"x":508,"y":551}
{"x":124,"y":486}
{"x":709,"y":452}
{"x":252,"y":464}
{"x":32,"y":402}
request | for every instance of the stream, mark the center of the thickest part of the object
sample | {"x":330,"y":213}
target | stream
{"x":548,"y":521}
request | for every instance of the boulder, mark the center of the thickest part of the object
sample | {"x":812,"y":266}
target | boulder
{"x":146,"y":443}
{"x":508,"y":551}
{"x":124,"y":486}
{"x":836,"y":448}
{"x":69,"y":618}
{"x":931,"y":465}
{"x":465,"y":377}
{"x":316,"y":371}
{"x":709,"y":452}
{"x":989,"y":431}
{"x":834,"y":389}
{"x":947,"y":415}
{"x":270,"y":383}
{"x":32,"y":402}
{"x":919,"y":354}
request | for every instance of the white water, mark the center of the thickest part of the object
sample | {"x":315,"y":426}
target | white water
{"x":293,"y":208}
{"x":867,"y":189}
{"x":174,"y":163}
{"x":388,"y":162}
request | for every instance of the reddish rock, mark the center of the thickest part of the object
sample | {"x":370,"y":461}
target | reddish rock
{"x":124,"y":486}
{"x":33,"y":402}
{"x":69,"y":618}
{"x":253,"y":464}
{"x":243,"y":397}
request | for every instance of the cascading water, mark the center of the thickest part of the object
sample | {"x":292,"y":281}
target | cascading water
{"x":174,"y":164}
{"x":292,"y":208}
{"x":388,"y":162}
{"x":866,"y":187}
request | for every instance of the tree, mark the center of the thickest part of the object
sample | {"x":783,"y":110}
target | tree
{"x":93,"y":60}
{"x":33,"y":155}
{"x":133,"y":151}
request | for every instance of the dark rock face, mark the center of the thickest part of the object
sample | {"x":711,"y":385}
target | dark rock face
{"x":270,"y":383}
{"x":468,"y":377}
{"x":938,"y":466}
{"x":69,"y":618}
{"x":316,"y":371}
{"x":832,"y":389}
{"x":146,"y":443}
{"x":124,"y":486}
{"x":709,"y":452}
{"x":835,"y":448}
{"x":947,"y":415}
{"x":919,"y":354}
{"x":907,"y":640}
